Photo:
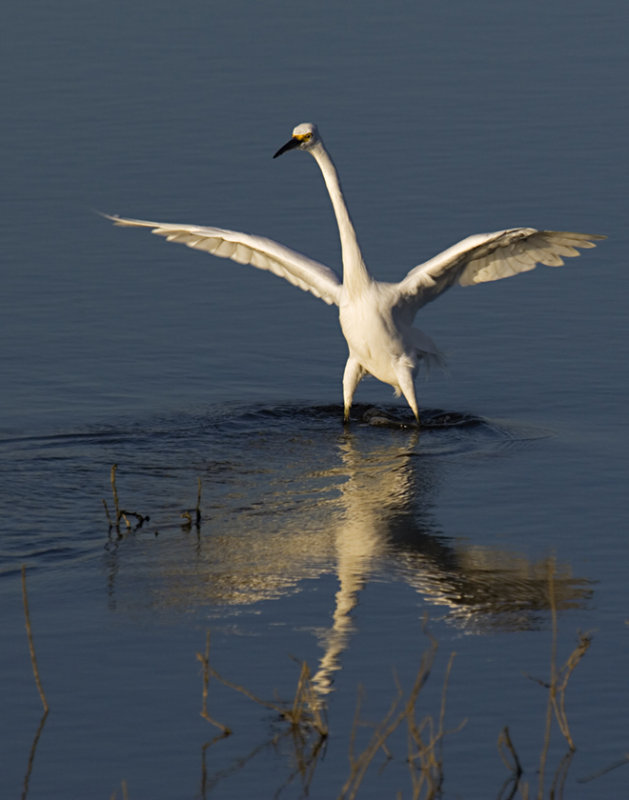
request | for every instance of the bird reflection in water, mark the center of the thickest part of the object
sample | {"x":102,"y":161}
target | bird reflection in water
{"x":371,"y":513}
{"x":388,"y":525}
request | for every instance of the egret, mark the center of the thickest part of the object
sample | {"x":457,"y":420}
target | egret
{"x":376,"y":317}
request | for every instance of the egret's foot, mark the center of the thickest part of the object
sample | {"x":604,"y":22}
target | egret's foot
{"x":385,"y":419}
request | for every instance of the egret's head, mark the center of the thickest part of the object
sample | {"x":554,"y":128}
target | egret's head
{"x":304,"y":137}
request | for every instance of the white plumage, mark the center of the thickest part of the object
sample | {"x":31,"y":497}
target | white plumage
{"x":376,"y":317}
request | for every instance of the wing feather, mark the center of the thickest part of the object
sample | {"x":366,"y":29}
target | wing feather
{"x":301,"y":271}
{"x":489,"y":257}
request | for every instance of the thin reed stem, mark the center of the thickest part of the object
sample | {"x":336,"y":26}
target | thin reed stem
{"x":31,"y":646}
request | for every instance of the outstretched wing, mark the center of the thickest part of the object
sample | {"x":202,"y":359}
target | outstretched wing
{"x":301,"y":271}
{"x":488,"y":257}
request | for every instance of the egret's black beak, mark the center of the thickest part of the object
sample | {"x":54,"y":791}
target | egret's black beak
{"x":290,"y":145}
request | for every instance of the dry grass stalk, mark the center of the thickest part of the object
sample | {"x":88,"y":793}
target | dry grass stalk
{"x":112,"y":480}
{"x":243,"y":690}
{"x":31,"y":646}
{"x":559,"y":695}
{"x":125,"y":793}
{"x":600,"y":772}
{"x":306,"y":758}
{"x":425,"y":741}
{"x":204,"y":658}
{"x":187,"y":515}
{"x":561,"y":773}
{"x":121,"y":514}
{"x":359,"y":764}
{"x":208,"y":782}
{"x":505,"y":749}
{"x":31,"y":755}
{"x":559,"y":678}
{"x":304,"y":712}
{"x":426,"y":757}
{"x":307,"y":707}
{"x":555,"y":707}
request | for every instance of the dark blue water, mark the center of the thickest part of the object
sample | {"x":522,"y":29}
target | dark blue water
{"x":315,"y":543}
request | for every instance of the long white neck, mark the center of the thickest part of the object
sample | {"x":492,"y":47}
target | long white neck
{"x":355,"y":274}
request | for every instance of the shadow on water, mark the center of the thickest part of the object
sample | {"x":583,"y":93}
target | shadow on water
{"x":290,"y":495}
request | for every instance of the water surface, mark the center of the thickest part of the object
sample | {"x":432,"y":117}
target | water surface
{"x":346,"y":548}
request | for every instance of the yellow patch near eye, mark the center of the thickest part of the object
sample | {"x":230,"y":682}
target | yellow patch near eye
{"x":302,"y":137}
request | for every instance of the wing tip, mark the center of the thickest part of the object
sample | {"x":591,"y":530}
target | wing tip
{"x":583,"y":240}
{"x":127,"y":222}
{"x":115,"y":218}
{"x":112,"y":217}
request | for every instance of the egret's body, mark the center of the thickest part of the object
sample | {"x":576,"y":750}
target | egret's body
{"x":376,"y":318}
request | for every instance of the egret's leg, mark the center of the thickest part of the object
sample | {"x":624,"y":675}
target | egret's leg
{"x":351,"y":378}
{"x":407,"y":385}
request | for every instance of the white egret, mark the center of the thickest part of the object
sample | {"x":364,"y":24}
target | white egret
{"x":377,"y":318}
